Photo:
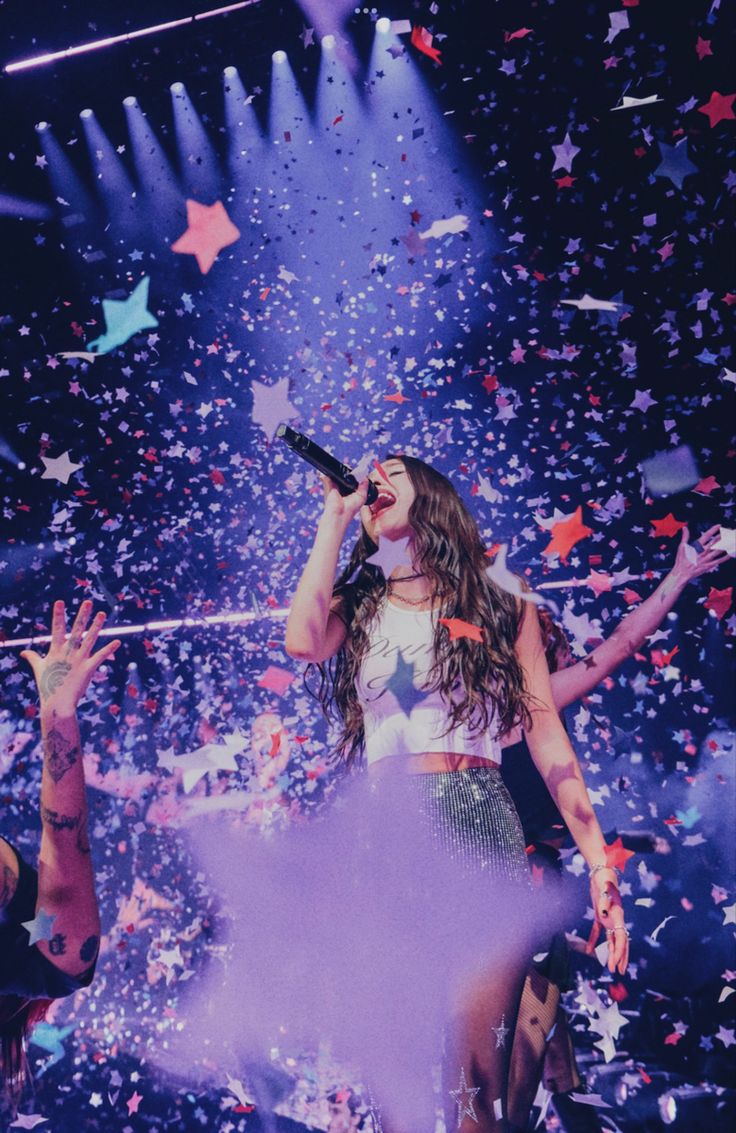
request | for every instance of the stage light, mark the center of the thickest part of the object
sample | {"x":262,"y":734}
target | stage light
{"x":230,"y":72}
{"x":383,"y":26}
{"x":691,"y":1107}
{"x":125,"y":37}
{"x":130,"y":100}
{"x":86,"y":113}
{"x":328,"y":42}
{"x":279,"y":56}
{"x":41,"y":126}
{"x":177,"y":88}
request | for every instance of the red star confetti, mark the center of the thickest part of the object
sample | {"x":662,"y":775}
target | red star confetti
{"x":617,"y":855}
{"x":209,"y":230}
{"x":667,"y":526}
{"x":719,"y":601}
{"x":719,"y":108}
{"x":458,"y":628}
{"x":566,"y":534}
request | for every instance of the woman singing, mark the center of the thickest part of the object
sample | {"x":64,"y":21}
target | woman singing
{"x":430,"y":664}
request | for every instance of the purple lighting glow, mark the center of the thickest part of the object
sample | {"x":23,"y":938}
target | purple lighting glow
{"x":110,"y":41}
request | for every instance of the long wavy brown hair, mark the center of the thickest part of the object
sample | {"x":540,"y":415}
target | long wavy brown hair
{"x":18,"y":1017}
{"x":448,"y":549}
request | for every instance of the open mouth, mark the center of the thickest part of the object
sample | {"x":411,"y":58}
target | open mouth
{"x":382,"y":503}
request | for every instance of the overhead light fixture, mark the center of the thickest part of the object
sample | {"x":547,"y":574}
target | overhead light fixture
{"x":328,"y":42}
{"x":230,"y":72}
{"x":383,"y":26}
{"x":279,"y":56}
{"x":125,"y":37}
{"x":41,"y":127}
{"x":130,"y":100}
{"x":177,"y":88}
{"x":86,"y":113}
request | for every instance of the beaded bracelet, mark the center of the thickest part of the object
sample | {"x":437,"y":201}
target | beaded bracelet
{"x":601,"y":865}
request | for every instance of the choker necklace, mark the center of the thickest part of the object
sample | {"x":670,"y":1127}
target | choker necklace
{"x":404,"y":578}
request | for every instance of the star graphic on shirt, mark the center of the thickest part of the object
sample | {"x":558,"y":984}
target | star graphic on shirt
{"x":464,"y":1097}
{"x":501,"y":1032}
{"x":401,"y":684}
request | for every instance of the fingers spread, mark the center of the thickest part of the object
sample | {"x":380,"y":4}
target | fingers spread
{"x":102,"y":655}
{"x":58,"y":625}
{"x":80,"y":622}
{"x":92,"y":634}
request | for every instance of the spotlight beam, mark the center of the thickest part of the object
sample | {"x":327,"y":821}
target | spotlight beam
{"x":110,"y":41}
{"x":156,"y":626}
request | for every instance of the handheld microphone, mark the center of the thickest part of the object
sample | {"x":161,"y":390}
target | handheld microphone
{"x":339,"y":473}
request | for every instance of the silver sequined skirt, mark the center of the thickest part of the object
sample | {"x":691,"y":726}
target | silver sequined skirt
{"x":471,"y":817}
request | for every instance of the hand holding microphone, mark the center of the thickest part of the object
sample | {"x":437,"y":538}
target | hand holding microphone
{"x":324,"y":462}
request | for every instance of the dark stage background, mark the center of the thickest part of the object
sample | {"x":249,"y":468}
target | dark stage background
{"x":347,"y":307}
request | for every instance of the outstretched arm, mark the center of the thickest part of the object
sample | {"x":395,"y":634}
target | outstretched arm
{"x":65,"y":873}
{"x":557,"y":763}
{"x":569,"y":684}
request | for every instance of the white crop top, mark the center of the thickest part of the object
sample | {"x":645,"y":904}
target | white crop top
{"x":399,"y":717}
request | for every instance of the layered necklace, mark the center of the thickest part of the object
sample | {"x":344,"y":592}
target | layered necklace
{"x":409,"y":601}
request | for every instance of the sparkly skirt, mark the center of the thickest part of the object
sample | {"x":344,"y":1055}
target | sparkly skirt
{"x":470,"y":816}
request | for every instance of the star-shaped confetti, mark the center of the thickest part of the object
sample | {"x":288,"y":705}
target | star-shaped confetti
{"x":459,"y":628}
{"x":718,"y":108}
{"x":391,"y":553}
{"x":40,"y":928}
{"x":59,"y":468}
{"x":675,"y":163}
{"x":271,"y":406}
{"x":209,"y":230}
{"x":565,"y":154}
{"x":566,"y":534}
{"x":124,"y":318}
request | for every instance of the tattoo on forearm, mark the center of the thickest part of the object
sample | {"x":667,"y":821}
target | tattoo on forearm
{"x":83,"y":838}
{"x":88,"y":951}
{"x":61,"y":754}
{"x":60,"y":821}
{"x":52,"y":677}
{"x":57,"y":944}
{"x":8,"y":885}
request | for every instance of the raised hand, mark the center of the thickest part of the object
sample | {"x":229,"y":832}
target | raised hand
{"x":698,"y":557}
{"x":62,"y":676}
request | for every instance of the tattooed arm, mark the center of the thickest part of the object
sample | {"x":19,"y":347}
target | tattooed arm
{"x":8,"y":874}
{"x":569,"y":684}
{"x":65,"y":872}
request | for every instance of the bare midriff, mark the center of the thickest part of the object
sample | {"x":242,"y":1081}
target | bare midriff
{"x":429,"y":761}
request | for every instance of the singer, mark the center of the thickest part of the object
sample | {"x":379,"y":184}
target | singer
{"x":478,"y":669}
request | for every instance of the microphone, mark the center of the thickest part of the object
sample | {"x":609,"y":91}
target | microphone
{"x":340,"y":474}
